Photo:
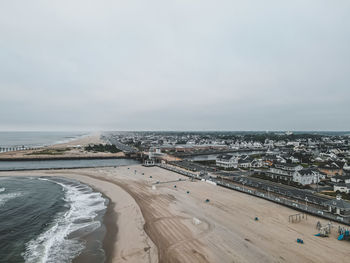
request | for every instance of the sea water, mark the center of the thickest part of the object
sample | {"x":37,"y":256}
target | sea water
{"x":49,"y":219}
{"x":36,"y":139}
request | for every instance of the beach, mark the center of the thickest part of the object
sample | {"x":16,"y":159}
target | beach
{"x":73,"y":149}
{"x":164,"y":223}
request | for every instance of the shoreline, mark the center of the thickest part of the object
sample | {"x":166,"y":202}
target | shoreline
{"x":60,"y":158}
{"x":125,"y":239}
{"x":110,"y":220}
{"x":175,"y":224}
{"x":72,"y":150}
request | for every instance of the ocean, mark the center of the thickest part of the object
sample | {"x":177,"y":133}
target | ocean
{"x":36,"y":139}
{"x":48,"y":219}
{"x":58,"y":164}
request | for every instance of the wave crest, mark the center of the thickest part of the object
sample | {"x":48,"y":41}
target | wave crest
{"x":61,"y":241}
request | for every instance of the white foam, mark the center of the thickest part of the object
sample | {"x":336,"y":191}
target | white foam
{"x":2,"y":189}
{"x":55,"y":244}
{"x":6,"y":197}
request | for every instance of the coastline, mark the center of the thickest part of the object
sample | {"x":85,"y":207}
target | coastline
{"x":71,"y":150}
{"x":125,"y":239}
{"x":175,"y":224}
{"x":110,"y":220}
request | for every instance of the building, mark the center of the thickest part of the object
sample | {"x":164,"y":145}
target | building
{"x":283,"y":171}
{"x":346,"y":168}
{"x":257,"y":163}
{"x":227,"y":161}
{"x":307,"y":176}
{"x":148,"y":162}
{"x":338,"y":206}
{"x":245,"y":161}
{"x":341,"y":179}
{"x":331,"y":169}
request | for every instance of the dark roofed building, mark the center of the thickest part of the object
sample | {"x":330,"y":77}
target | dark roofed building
{"x":338,"y":206}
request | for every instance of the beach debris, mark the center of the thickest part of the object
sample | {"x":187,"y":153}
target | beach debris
{"x":299,"y":240}
{"x":188,"y":192}
{"x":128,"y":168}
{"x":180,"y":179}
{"x":174,"y":186}
{"x":154,"y":187}
{"x":256,"y":218}
{"x":196,"y":221}
{"x":207,"y":200}
{"x":150,"y":176}
{"x":143,"y":173}
{"x":157,"y":182}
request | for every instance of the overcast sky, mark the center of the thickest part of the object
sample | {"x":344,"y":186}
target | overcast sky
{"x":175,"y":65}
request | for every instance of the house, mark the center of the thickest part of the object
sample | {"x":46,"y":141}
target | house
{"x":227,"y":161}
{"x":338,"y":206}
{"x":307,"y":176}
{"x":294,"y":160}
{"x":245,"y":161}
{"x":341,"y":179}
{"x":283,"y":171}
{"x":346,"y":168}
{"x":331,"y":168}
{"x":257,"y":163}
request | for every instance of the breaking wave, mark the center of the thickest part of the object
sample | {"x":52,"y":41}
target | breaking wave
{"x":61,"y":241}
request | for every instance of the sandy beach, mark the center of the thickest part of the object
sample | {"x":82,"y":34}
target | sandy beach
{"x":73,"y":149}
{"x":174,"y":224}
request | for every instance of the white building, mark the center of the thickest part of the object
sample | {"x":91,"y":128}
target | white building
{"x":307,"y":176}
{"x":283,"y":171}
{"x":341,"y":179}
{"x":227,"y":161}
{"x":244,"y":161}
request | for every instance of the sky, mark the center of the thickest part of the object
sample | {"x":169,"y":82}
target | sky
{"x":175,"y":65}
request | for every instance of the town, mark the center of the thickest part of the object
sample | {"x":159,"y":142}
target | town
{"x":307,"y":171}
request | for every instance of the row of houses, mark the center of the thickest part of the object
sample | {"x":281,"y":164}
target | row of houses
{"x":279,"y":171}
{"x":228,"y":161}
{"x":341,"y":183}
{"x":295,"y":173}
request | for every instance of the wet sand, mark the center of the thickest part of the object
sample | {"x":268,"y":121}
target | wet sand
{"x":167,"y":224}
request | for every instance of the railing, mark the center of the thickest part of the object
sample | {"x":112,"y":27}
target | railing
{"x":293,"y":204}
{"x":298,"y":205}
{"x":176,"y":170}
{"x":16,"y":148}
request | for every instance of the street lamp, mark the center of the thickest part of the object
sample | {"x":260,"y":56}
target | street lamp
{"x":306,"y":201}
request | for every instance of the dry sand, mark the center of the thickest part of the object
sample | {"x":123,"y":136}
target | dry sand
{"x":158,"y":224}
{"x":73,"y":149}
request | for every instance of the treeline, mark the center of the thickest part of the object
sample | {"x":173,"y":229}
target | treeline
{"x":102,"y":148}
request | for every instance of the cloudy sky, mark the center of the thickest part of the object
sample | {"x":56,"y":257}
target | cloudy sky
{"x":175,"y":65}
